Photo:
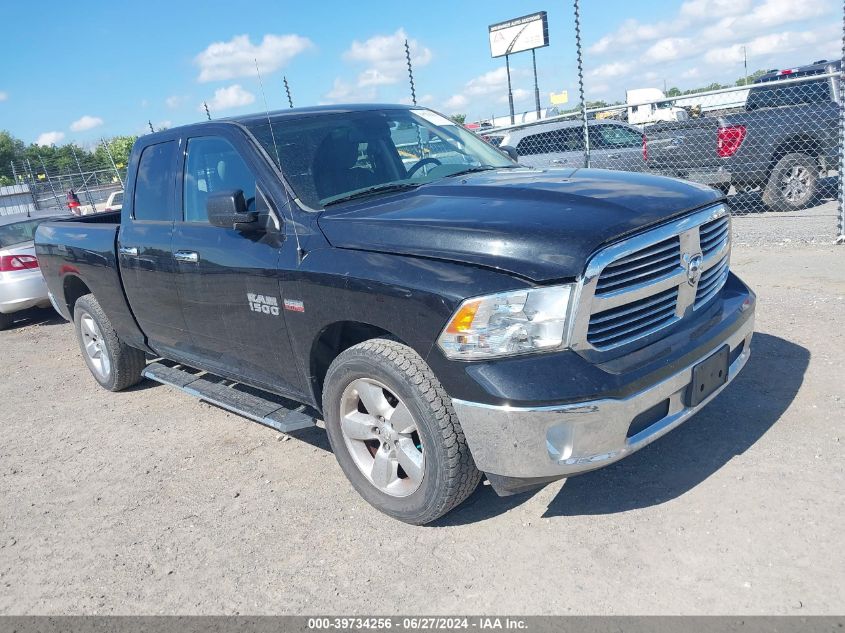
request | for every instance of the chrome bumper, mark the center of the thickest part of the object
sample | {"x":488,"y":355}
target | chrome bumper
{"x":565,"y":440}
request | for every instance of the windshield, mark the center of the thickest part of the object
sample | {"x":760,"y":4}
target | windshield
{"x":19,"y":232}
{"x":337,"y":156}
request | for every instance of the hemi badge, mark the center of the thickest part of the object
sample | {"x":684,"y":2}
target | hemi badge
{"x":294,"y":305}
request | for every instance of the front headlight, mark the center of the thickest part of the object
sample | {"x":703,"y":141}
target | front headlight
{"x":508,"y":323}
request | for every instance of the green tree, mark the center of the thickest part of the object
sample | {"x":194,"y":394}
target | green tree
{"x":674,"y":92}
{"x":460,"y":119}
{"x":742,"y":81}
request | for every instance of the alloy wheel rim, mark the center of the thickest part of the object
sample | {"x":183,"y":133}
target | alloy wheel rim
{"x":796,"y":184}
{"x":94,"y":346}
{"x":382,"y":438}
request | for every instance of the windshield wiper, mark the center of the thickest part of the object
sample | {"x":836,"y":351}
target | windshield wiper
{"x":471,"y":170}
{"x":362,"y":193}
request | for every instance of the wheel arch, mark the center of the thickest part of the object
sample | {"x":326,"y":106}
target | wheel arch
{"x":799,"y":144}
{"x":333,"y":340}
{"x":73,"y":288}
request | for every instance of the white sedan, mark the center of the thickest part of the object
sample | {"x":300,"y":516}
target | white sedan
{"x":21,"y":283}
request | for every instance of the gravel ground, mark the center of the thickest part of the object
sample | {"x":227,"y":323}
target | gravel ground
{"x":151,"y":502}
{"x":754,"y":226}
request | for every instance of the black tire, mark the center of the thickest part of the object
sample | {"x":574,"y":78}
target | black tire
{"x":450,"y":475}
{"x":125,"y":363}
{"x":6,"y":320}
{"x":781,"y":195}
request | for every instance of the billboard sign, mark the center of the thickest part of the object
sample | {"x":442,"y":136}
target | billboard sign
{"x":520,"y":34}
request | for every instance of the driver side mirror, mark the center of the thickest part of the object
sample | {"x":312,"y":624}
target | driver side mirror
{"x":510,"y":151}
{"x":227,"y":209}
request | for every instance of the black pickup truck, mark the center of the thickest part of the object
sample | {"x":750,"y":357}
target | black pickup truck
{"x":783,"y":140}
{"x":447,"y":312}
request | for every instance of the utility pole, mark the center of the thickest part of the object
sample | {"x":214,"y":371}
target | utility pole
{"x":510,"y":92}
{"x":536,"y":87}
{"x":745,"y":64}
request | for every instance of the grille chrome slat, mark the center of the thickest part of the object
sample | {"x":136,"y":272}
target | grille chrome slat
{"x":672,"y":242}
{"x":632,"y":319}
{"x":603,"y":317}
{"x":641,"y":329}
{"x":651,"y":261}
{"x":646,"y":283}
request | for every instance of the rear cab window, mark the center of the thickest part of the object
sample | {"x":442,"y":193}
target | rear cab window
{"x":155,"y":183}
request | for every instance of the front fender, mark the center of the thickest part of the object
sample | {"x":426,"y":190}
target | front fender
{"x":408,"y":297}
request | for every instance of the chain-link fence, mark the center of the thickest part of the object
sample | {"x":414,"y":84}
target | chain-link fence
{"x":48,"y":186}
{"x":770,"y":146}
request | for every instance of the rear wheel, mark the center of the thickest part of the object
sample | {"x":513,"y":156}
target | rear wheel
{"x":793,"y":183}
{"x":394,"y":432}
{"x":113,"y":363}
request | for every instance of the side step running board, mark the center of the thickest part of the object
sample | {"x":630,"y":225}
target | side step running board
{"x":262,"y":407}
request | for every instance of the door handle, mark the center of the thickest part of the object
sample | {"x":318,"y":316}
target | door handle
{"x":186,"y":256}
{"x":129,"y":251}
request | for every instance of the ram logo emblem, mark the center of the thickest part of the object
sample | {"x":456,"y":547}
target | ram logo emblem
{"x":263,"y":304}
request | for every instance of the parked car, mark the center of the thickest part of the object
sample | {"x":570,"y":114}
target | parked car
{"x":480,"y":317}
{"x":21,"y":283}
{"x":613,"y":145}
{"x":786,"y":137}
{"x":114,"y":202}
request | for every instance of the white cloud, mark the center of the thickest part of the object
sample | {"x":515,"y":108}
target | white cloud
{"x":456,"y":102}
{"x":613,"y":69}
{"x":690,"y":73}
{"x":766,"y":46}
{"x":87,"y":122}
{"x":633,"y":32}
{"x":705,"y":10}
{"x":3,"y":95}
{"x":762,"y":17}
{"x":233,"y":96}
{"x":346,"y":92}
{"x":175,"y":101}
{"x":384,"y":56}
{"x":49,"y":138}
{"x":236,"y":58}
{"x":670,"y":48}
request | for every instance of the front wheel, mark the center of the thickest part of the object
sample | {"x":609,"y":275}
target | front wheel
{"x":112,"y":362}
{"x":793,"y":183}
{"x":395,"y":434}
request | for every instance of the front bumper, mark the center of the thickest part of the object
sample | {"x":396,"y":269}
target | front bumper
{"x":20,"y":290}
{"x":550,"y":442}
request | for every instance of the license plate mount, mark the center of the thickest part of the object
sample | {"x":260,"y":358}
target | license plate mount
{"x":708,"y":376}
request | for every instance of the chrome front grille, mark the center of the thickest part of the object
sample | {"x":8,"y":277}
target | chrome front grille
{"x":620,"y":323}
{"x":648,"y":264}
{"x":714,"y":234}
{"x":637,"y":287}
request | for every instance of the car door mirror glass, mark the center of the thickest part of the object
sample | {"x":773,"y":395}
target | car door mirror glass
{"x":228,"y":209}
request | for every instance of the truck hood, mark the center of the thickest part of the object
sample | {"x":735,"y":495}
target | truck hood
{"x":538,"y":224}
